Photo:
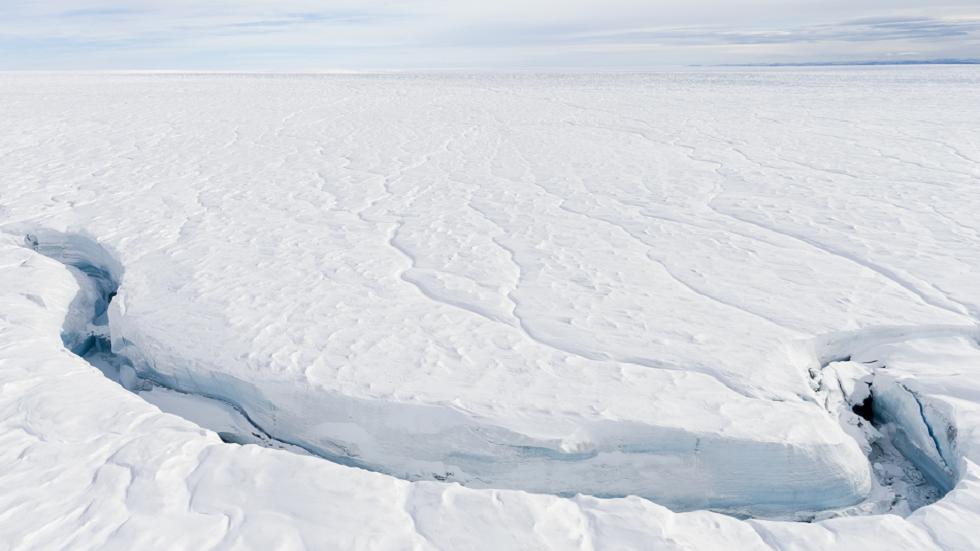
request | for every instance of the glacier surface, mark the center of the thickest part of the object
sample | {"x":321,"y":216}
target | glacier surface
{"x":472,"y":291}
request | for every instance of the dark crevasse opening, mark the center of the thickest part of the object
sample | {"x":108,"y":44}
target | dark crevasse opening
{"x":865,"y":409}
{"x":888,"y":423}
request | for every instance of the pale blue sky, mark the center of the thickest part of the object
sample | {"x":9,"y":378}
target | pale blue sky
{"x":304,"y":34}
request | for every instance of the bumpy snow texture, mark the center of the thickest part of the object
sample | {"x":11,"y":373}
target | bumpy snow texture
{"x":492,"y":311}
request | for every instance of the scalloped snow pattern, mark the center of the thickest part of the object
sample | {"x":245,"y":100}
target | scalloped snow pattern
{"x":559,"y":284}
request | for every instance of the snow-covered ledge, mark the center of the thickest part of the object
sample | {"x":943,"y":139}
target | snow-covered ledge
{"x":88,"y":465}
{"x":85,"y":464}
{"x":742,"y":456}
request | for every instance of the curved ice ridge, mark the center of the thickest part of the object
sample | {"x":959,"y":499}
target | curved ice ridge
{"x":91,"y":338}
{"x":680,"y":469}
{"x":101,"y":268}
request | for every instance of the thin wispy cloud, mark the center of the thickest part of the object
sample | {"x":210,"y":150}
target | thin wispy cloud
{"x":266,"y":34}
{"x":858,"y":30}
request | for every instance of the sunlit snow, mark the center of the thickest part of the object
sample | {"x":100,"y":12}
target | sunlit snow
{"x":699,"y":309}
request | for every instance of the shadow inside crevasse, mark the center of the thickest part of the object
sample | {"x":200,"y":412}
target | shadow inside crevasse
{"x":99,"y":273}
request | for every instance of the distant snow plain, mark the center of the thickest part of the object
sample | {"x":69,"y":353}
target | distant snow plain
{"x":531,"y":311}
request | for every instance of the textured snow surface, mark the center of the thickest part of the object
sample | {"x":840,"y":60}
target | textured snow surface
{"x":617,"y":285}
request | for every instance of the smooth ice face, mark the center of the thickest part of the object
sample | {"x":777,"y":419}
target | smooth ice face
{"x":559,"y":284}
{"x":929,"y":389}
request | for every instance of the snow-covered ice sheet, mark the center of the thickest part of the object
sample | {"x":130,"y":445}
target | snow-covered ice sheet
{"x":611,"y":285}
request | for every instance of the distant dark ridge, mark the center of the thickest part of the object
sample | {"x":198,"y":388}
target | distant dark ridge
{"x":843,"y":63}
